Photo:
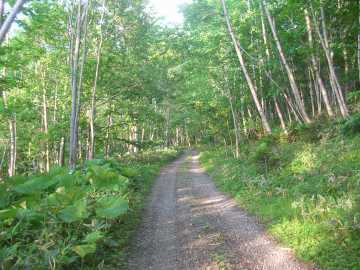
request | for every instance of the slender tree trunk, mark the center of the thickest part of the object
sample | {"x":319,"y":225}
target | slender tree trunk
{"x":54,"y":122}
{"x":46,"y":126}
{"x":108,"y":141}
{"x":177,"y":136}
{"x":290,"y":74}
{"x":13,"y":142}
{"x":315,"y":67}
{"x":280,"y":115}
{"x":5,"y":26}
{"x":91,"y":152}
{"x":268,"y":58}
{"x":142,"y":135}
{"x":134,"y":132}
{"x":312,"y":94}
{"x":61,"y":157}
{"x":291,"y":106}
{"x":251,"y":85}
{"x":46,"y":132}
{"x":12,"y":131}
{"x":75,"y":79}
{"x":328,"y":54}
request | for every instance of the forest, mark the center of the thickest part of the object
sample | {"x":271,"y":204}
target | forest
{"x":98,"y":95}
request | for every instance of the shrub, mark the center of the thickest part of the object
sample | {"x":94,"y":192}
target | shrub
{"x":351,"y":126}
{"x":59,"y":217}
{"x":265,"y":153}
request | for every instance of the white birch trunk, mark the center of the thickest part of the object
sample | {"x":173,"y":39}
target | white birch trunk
{"x":290,"y":74}
{"x":91,"y":152}
{"x":250,"y":83}
{"x":315,"y":67}
{"x":5,"y":26}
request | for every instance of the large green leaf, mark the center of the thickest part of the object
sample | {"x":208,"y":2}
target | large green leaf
{"x":74,"y":212}
{"x":93,"y":237}
{"x":105,"y":178}
{"x":83,"y":250}
{"x":8,"y":213}
{"x":66,"y":196}
{"x":29,"y":215}
{"x":35,"y":184}
{"x":69,"y":180}
{"x":111,"y":207}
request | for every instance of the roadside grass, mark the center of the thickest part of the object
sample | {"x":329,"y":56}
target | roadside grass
{"x":305,"y":186}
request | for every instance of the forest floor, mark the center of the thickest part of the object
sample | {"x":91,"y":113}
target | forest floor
{"x":189,"y":224}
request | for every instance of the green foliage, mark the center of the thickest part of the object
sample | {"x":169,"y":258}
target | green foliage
{"x":111,"y":207}
{"x":351,"y":126}
{"x":83,"y":250}
{"x":309,"y":198}
{"x":61,"y":218}
{"x":265,"y":153}
{"x":75,"y":212}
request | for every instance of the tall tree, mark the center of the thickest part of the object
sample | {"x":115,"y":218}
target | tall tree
{"x":78,"y":37}
{"x":293,"y":84}
{"x":252,"y":87}
{"x":6,"y":24}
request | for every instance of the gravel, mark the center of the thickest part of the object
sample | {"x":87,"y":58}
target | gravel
{"x":189,"y":224}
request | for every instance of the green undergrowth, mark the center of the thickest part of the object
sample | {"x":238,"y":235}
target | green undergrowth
{"x":304,"y":185}
{"x":83,"y":220}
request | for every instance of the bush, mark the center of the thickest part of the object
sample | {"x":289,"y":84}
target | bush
{"x":265,"y":153}
{"x":351,"y":126}
{"x":45,"y":208}
{"x":55,"y":220}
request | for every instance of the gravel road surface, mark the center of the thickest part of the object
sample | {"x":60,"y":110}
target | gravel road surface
{"x":188,"y":224}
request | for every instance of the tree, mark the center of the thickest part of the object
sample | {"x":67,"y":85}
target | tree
{"x":6,"y":24}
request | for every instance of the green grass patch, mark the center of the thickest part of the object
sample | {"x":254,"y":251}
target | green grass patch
{"x":305,"y":188}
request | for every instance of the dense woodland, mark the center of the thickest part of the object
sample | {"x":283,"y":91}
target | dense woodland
{"x":92,"y":88}
{"x":93,"y":78}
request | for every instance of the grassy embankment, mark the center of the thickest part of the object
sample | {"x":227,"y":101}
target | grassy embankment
{"x":80,"y":221}
{"x":305,"y":186}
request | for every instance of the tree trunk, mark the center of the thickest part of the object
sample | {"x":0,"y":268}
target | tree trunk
{"x":13,"y":142}
{"x":91,"y":152}
{"x":12,"y":131}
{"x":290,"y":74}
{"x":107,"y":146}
{"x":280,"y":115}
{"x":292,"y":109}
{"x":251,"y":85}
{"x":315,"y":67}
{"x":328,"y":54}
{"x":61,"y":157}
{"x":45,"y":125}
{"x":75,"y":79}
{"x":268,"y":58}
{"x":5,"y":26}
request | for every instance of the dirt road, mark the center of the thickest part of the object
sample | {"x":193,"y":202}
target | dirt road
{"x":189,"y":224}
